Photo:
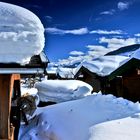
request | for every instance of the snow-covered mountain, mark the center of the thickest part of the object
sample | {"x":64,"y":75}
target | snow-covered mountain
{"x":126,"y":51}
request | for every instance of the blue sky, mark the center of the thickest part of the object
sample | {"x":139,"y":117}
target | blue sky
{"x":77,"y":27}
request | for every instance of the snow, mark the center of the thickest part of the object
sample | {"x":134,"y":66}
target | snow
{"x":136,"y":54}
{"x":62,"y":90}
{"x":21,"y":34}
{"x":51,"y":70}
{"x":66,"y":72}
{"x":30,"y":91}
{"x":63,"y":72}
{"x":95,"y":117}
{"x":104,"y":65}
{"x":121,"y":129}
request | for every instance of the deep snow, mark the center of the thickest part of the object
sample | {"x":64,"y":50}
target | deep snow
{"x":62,"y":90}
{"x":21,"y":34}
{"x":95,"y":117}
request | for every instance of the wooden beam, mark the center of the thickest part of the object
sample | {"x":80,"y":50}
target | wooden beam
{"x":6,"y":92}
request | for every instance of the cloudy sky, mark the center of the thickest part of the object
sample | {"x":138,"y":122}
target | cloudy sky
{"x":76,"y":28}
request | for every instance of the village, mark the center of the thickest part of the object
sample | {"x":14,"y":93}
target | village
{"x":92,"y":99}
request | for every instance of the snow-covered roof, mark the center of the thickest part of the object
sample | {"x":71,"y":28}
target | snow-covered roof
{"x":104,"y":65}
{"x":126,"y":68}
{"x":21,"y":70}
{"x":36,"y":65}
{"x":51,"y":70}
{"x":43,"y":57}
{"x":21,"y":34}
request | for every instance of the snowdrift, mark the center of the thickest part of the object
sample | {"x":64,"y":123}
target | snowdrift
{"x":62,"y":90}
{"x":121,"y":129}
{"x":21,"y":34}
{"x":98,"y":117}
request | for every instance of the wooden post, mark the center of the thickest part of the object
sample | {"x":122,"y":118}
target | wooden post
{"x":6,"y":91}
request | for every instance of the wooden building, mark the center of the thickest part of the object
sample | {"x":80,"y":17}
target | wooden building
{"x":37,"y":64}
{"x":52,"y":75}
{"x":10,"y":74}
{"x":89,"y":77}
{"x":122,"y":82}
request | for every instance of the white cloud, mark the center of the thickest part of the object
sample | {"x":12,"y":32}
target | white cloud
{"x":95,"y":47}
{"x":117,"y":32}
{"x":76,"y":53}
{"x":137,"y":35}
{"x":110,"y":12}
{"x":112,"y":44}
{"x":71,"y":60}
{"x":115,"y":43}
{"x":48,"y":17}
{"x":123,"y":5}
{"x":97,"y":50}
{"x":79,"y":31}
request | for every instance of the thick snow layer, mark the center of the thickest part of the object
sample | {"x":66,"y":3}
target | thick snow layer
{"x":121,"y":129}
{"x":62,"y":90}
{"x":104,"y":65}
{"x":21,"y":34}
{"x":95,"y":117}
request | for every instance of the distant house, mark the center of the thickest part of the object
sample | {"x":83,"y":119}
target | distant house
{"x":51,"y":73}
{"x":84,"y":74}
{"x":37,"y":65}
{"x":122,"y":82}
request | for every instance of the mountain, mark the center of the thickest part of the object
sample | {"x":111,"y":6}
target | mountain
{"x":126,"y":51}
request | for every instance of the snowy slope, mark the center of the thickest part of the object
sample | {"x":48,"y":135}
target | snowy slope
{"x":21,"y":34}
{"x":95,"y":117}
{"x":121,"y":129}
{"x":126,"y":51}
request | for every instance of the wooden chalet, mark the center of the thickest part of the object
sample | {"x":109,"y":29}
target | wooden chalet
{"x":10,"y":74}
{"x":89,"y":77}
{"x":123,"y":82}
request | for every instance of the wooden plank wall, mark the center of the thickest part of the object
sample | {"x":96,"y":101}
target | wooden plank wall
{"x":6,"y":91}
